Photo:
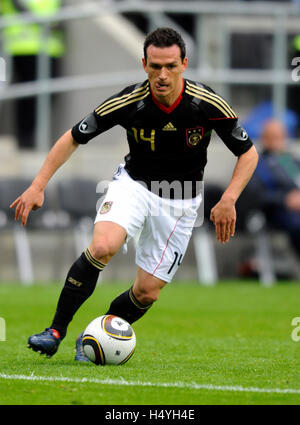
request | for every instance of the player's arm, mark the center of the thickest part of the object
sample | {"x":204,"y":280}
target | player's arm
{"x":223,"y":215}
{"x":101,"y":119}
{"x":33,"y":197}
{"x":225,"y":122}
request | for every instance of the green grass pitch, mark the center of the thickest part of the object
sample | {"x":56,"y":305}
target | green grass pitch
{"x":228,"y":344}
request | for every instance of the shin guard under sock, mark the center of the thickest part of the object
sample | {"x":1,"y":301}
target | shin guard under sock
{"x":79,"y":286}
{"x":128,"y":307}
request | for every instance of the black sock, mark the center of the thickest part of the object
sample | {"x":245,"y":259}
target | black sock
{"x":79,"y":286}
{"x":128,"y":307}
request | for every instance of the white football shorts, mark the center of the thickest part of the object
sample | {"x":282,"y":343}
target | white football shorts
{"x":165,"y":225}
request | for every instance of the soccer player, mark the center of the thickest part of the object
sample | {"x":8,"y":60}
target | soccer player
{"x":168,"y":121}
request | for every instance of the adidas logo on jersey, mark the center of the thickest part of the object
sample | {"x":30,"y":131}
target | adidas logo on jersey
{"x":169,"y":127}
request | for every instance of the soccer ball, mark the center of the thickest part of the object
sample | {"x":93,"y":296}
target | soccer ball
{"x":109,"y":339}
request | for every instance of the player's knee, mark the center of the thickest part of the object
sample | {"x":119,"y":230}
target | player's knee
{"x":102,"y":250}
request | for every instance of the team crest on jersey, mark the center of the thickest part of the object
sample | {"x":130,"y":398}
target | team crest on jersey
{"x":106,"y":207}
{"x":194,"y":136}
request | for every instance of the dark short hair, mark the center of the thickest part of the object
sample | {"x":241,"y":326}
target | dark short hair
{"x":165,"y":37}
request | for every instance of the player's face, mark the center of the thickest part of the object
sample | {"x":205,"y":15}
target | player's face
{"x":164,"y":68}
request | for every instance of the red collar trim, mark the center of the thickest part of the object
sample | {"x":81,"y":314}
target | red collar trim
{"x":168,"y":109}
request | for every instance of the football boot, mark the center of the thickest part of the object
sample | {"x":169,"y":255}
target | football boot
{"x":80,"y":355}
{"x":46,"y":342}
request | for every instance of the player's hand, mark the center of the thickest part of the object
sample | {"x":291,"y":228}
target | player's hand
{"x":31,"y":199}
{"x":223,"y":215}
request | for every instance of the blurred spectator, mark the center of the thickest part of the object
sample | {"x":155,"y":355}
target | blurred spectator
{"x":23,"y":43}
{"x":277,"y":182}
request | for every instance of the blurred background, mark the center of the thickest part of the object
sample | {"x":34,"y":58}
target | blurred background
{"x":63,"y":58}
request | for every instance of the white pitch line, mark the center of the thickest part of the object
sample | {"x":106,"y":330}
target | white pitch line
{"x":123,"y":382}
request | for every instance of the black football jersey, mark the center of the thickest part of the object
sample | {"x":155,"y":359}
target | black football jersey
{"x":166,"y":143}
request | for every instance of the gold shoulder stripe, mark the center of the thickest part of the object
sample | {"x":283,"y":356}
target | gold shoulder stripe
{"x":208,"y":93}
{"x":121,"y":105}
{"x":212,"y":96}
{"x":122,"y":98}
{"x":209,"y":101}
{"x":144,"y":86}
{"x":218,"y":99}
{"x":120,"y":102}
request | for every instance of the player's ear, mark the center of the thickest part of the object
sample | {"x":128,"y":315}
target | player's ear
{"x":144,"y":63}
{"x":185,"y":63}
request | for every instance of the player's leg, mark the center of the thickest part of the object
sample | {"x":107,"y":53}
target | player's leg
{"x":132,"y":304}
{"x":108,"y":237}
{"x":158,"y":259}
{"x":83,"y":275}
{"x":80,"y":283}
{"x":161,"y":248}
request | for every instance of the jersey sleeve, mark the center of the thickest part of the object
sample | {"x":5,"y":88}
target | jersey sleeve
{"x":233,"y":135}
{"x":225,"y":122}
{"x":108,"y":114}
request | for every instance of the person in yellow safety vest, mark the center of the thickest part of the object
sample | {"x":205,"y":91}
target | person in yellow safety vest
{"x":23,"y":42}
{"x":296,"y":43}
